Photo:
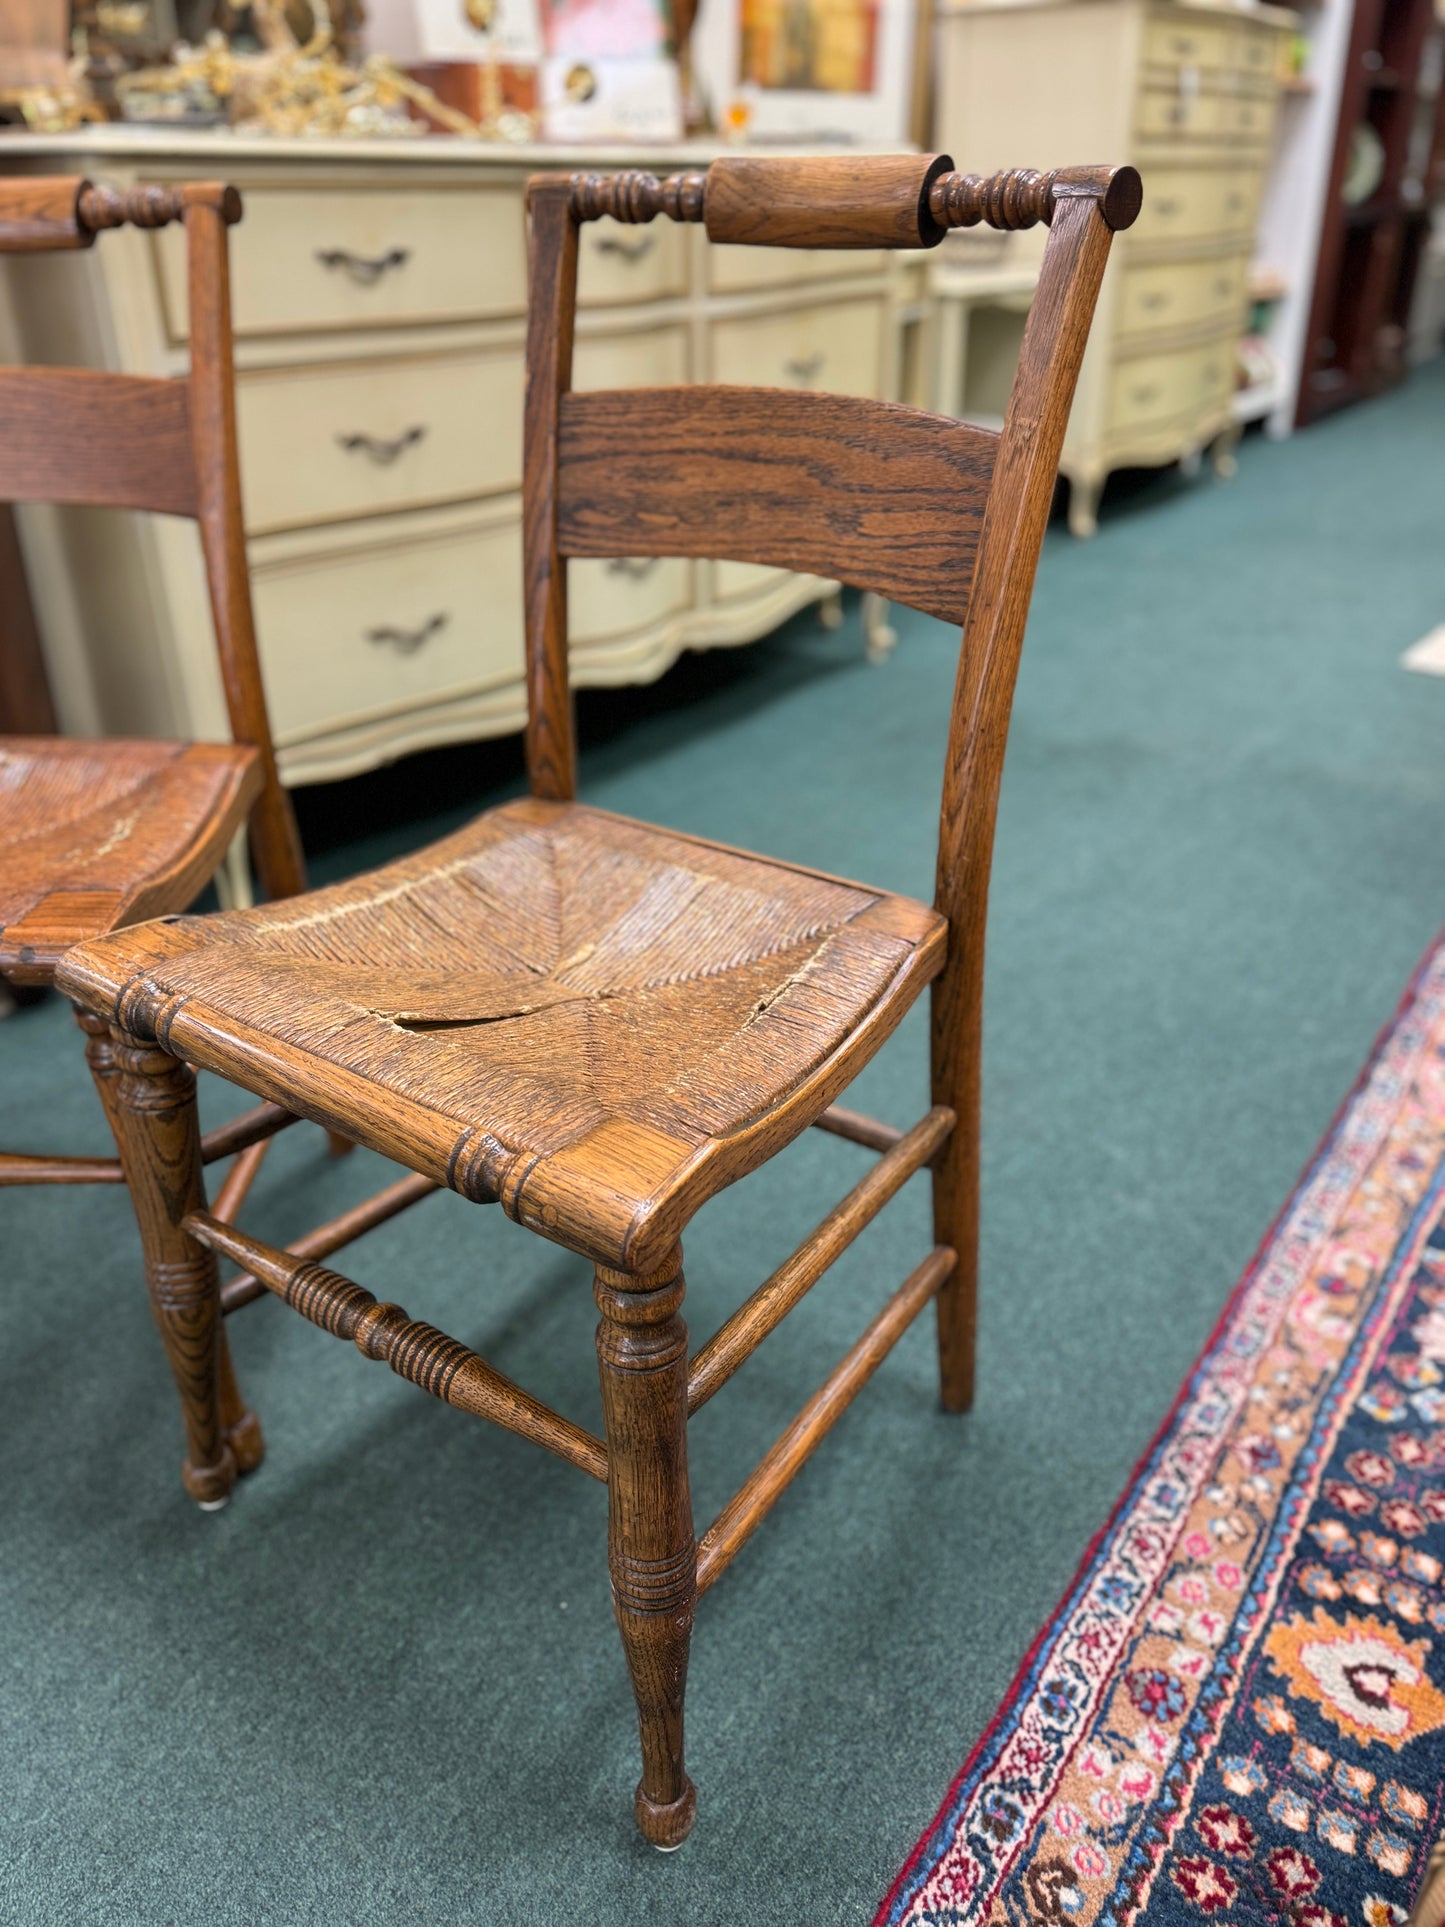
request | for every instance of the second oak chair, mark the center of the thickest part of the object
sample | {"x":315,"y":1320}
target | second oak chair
{"x":599,"y":1024}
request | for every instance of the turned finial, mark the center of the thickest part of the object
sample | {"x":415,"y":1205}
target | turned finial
{"x":637,"y":197}
{"x":150,"y":204}
{"x":1021,"y":197}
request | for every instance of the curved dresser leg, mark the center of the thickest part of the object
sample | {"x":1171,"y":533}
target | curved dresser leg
{"x":160,"y":1148}
{"x":878,"y":630}
{"x":1222,"y":455}
{"x":642,"y":1356}
{"x":1084,"y":493}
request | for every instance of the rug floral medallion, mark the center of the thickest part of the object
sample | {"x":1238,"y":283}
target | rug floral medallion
{"x":1238,"y":1713}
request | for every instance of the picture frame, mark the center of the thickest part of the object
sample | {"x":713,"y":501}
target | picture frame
{"x":807,"y":70}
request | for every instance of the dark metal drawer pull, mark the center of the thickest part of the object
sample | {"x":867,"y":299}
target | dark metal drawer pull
{"x":1158,"y":298}
{"x":626,"y":250}
{"x":406,"y":642}
{"x":383,"y":453}
{"x":807,"y":367}
{"x":633,"y":567}
{"x":1144,"y":394}
{"x":364,"y":270}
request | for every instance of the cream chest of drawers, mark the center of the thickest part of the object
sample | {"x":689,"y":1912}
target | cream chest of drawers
{"x":1188,"y":94}
{"x":379,"y":296}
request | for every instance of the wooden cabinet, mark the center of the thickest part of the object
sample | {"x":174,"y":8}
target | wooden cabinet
{"x":1376,"y":218}
{"x":380,"y":301}
{"x":1188,"y":93}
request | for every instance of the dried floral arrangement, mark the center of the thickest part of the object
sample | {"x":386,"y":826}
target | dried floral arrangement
{"x":290,"y":87}
{"x":302,"y":89}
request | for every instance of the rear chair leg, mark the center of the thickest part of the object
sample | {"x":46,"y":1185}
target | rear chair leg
{"x":957,"y":1036}
{"x":642,"y":1354}
{"x":160,"y":1148}
{"x":242,"y":1427}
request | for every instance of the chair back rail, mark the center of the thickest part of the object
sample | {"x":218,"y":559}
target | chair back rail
{"x":102,"y":441}
{"x":76,"y":436}
{"x":888,"y":498}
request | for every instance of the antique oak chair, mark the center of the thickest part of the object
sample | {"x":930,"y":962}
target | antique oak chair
{"x":98,"y":834}
{"x":599,"y":1024}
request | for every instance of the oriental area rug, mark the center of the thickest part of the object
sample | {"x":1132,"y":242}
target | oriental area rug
{"x":1237,"y":1714}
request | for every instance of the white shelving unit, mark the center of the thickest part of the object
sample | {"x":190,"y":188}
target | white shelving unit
{"x":1292,"y":212}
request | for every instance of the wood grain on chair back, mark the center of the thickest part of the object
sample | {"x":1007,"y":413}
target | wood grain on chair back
{"x":884,"y":497}
{"x":106,"y":441}
{"x":878,"y":495}
{"x":77,"y":436}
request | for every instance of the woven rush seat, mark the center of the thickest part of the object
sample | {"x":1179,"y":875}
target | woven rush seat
{"x":551,"y":994}
{"x":93,"y":835}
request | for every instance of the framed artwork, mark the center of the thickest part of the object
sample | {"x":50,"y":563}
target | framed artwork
{"x":607,"y":29}
{"x":603,"y":69}
{"x":33,"y":43}
{"x":473,"y":30}
{"x":608,"y":72}
{"x":813,"y":70}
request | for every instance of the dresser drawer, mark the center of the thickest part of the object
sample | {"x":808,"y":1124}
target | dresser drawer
{"x":838,"y":348}
{"x":624,"y":596}
{"x":1192,"y":203}
{"x":1255,"y":53}
{"x":618,"y":263}
{"x":749,"y":583}
{"x":1187,"y":41}
{"x":640,"y":358}
{"x":1179,"y":113}
{"x":1181,"y":294}
{"x":309,"y":259}
{"x":732,"y":270}
{"x":323,"y":443}
{"x":1148,"y":389}
{"x":366,"y":631}
{"x":1249,"y":117}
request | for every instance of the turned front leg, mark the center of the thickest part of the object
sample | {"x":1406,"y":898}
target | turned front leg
{"x":242,"y":1427}
{"x":160,"y":1148}
{"x":642,"y":1352}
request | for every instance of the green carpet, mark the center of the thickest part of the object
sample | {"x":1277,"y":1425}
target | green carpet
{"x":384,"y":1685}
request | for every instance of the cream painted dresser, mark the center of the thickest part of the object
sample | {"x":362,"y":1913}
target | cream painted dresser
{"x":379,"y":295}
{"x":1188,"y":93}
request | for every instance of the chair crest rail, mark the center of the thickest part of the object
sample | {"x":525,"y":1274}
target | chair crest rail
{"x":66,"y":211}
{"x":774,"y":203}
